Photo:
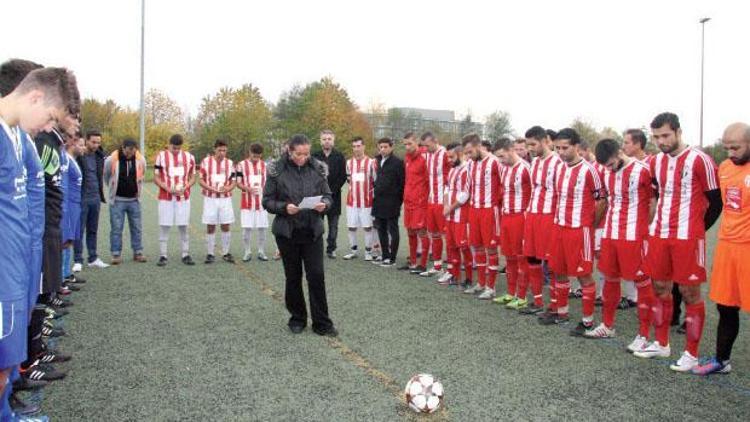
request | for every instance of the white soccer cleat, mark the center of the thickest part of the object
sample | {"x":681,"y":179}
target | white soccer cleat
{"x":474,"y":289}
{"x":445,"y":277}
{"x":98,"y":264}
{"x":600,"y":331}
{"x":487,"y":294}
{"x":638,"y":344}
{"x":368,"y":256}
{"x":350,"y":255}
{"x":685,"y":363}
{"x":654,"y":350}
{"x":77,"y":267}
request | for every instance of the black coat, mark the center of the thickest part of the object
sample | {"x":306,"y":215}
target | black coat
{"x":389,"y":188}
{"x":288,"y":183}
{"x":336,"y":177}
{"x":99,"y":153}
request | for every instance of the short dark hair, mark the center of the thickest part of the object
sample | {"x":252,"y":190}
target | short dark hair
{"x":388,"y":141}
{"x":666,"y":118}
{"x":12,"y":73}
{"x":638,"y":136}
{"x":93,"y":132}
{"x":551,"y":133}
{"x":298,"y":139}
{"x":129,"y":143}
{"x":427,"y":135}
{"x":452,"y":146}
{"x":358,"y":139}
{"x":58,"y":83}
{"x":487,"y":144}
{"x":569,"y":134}
{"x":176,"y":139}
{"x":408,"y":135}
{"x":220,"y":143}
{"x":256,"y":148}
{"x":606,"y":149}
{"x":503,"y":143}
{"x":536,"y":132}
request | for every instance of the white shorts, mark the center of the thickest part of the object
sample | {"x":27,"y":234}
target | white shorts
{"x":174,"y":212}
{"x":358,"y":217}
{"x":254,"y":219}
{"x":598,"y":239}
{"x":218,"y":211}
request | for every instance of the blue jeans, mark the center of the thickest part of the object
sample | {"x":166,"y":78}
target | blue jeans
{"x":67,"y":270}
{"x":117,"y":212}
{"x":89,"y":226}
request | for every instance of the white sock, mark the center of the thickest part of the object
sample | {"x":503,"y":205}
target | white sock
{"x":352,"y":239}
{"x":630,"y":291}
{"x":262,"y":241}
{"x":226,"y":239}
{"x":211,"y":243}
{"x":184,"y":240}
{"x":246,"y":235}
{"x":163,"y":239}
{"x":369,"y":239}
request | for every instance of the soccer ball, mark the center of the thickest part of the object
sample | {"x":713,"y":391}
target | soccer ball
{"x":424,"y":393}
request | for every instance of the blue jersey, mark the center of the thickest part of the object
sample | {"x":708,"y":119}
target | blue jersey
{"x":73,"y":180}
{"x":14,"y":215}
{"x":35,"y":199}
{"x":64,"y":163}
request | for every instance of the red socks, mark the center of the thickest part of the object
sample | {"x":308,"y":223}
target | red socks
{"x":695,"y":315}
{"x":511,"y":273}
{"x":562,"y":289}
{"x":553,"y":293}
{"x":425,"y":240}
{"x":437,"y":250}
{"x":481,"y":258}
{"x":535,"y":279}
{"x":646,"y":300}
{"x":662,"y":312}
{"x":412,"y":249}
{"x":610,"y":297}
{"x":492,"y":269}
{"x":523,"y":277}
{"x":588,"y":300}
{"x":468,"y":262}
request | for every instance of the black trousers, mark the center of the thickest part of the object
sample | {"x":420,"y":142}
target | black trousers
{"x":295,"y":254}
{"x":333,"y":232}
{"x":389,"y":236}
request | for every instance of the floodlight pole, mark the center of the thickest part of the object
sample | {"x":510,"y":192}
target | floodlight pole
{"x":703,"y":41}
{"x":142,"y":122}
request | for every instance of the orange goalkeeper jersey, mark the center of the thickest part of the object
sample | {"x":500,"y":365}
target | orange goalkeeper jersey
{"x":734,"y":181}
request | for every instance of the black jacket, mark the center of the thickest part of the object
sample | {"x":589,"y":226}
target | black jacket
{"x":289,"y":184}
{"x":336,"y":177}
{"x":389,"y":188}
{"x":99,"y":171}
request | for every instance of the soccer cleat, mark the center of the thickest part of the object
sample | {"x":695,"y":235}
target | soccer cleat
{"x":712,"y":366}
{"x":72,"y":287}
{"x":350,"y":255}
{"x":376,"y":259}
{"x":654,"y":350}
{"x":504,"y":299}
{"x":64,"y":291}
{"x":531,"y":310}
{"x":685,"y":363}
{"x":22,"y":408}
{"x":330,"y":255}
{"x":417,"y":270}
{"x":74,"y":280}
{"x":430,"y":272}
{"x":444,"y":278}
{"x":41,"y":372}
{"x":162,"y":261}
{"x":48,"y":331}
{"x":387,"y":263}
{"x":98,"y":263}
{"x":487,"y":294}
{"x":228,"y":258}
{"x":77,"y":267}
{"x":262,"y":256}
{"x":139,"y":257}
{"x":53,"y":357}
{"x":406,"y":267}
{"x":368,"y":256}
{"x":638,"y":343}
{"x":210,"y":259}
{"x":580,"y":329}
{"x":247,"y":257}
{"x":517,"y":304}
{"x":550,"y":319}
{"x":626,"y":303}
{"x":600,"y":331}
{"x":54,"y":313}
{"x":187,"y":260}
{"x":59,"y":303}
{"x":24,"y":384}
{"x":116,"y":260}
{"x":470,"y":290}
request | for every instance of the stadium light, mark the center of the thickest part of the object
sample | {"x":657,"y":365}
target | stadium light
{"x":703,"y":35}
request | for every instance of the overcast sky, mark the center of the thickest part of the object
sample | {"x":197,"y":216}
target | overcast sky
{"x":546,"y":62}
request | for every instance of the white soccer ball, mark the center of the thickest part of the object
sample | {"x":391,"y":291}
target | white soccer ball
{"x":424,"y":393}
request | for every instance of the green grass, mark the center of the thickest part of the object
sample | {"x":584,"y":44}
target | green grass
{"x":181,"y":343}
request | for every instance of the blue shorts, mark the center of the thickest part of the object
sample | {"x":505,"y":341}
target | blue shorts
{"x":13,"y":330}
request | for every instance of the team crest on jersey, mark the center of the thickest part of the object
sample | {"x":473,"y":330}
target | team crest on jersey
{"x":747,"y":181}
{"x":733,"y":200}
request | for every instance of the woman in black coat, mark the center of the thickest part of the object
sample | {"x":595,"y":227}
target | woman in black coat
{"x":299,"y":231}
{"x":388,"y":196}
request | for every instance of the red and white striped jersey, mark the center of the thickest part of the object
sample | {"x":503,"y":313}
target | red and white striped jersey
{"x":543,"y":194}
{"x":515,"y":186}
{"x":174,"y":169}
{"x":458,"y":183}
{"x":438,"y":167}
{"x":216,"y":174}
{"x":485,"y":182}
{"x":629,"y":194}
{"x":682,"y":181}
{"x":252,"y":175}
{"x":361,"y":174}
{"x":578,"y":188}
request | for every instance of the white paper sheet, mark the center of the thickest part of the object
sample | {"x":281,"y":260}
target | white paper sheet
{"x":309,"y":202}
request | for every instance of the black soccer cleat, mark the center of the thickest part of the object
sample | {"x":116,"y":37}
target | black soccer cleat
{"x":580,"y":329}
{"x":23,"y":408}
{"x":74,"y":280}
{"x":25,"y":384}
{"x":187,"y":260}
{"x":53,"y":357}
{"x":228,"y":258}
{"x":417,"y":270}
{"x":41,"y":372}
{"x":56,"y":302}
{"x":162,"y":261}
{"x":210,"y":259}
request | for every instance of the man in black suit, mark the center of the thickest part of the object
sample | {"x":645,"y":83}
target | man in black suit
{"x":336,"y":178}
{"x":387,"y":199}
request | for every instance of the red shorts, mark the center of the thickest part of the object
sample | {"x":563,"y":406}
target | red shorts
{"x":484,"y":228}
{"x":414,"y":218}
{"x":435,"y":218}
{"x":622,"y":259}
{"x":572,"y":251}
{"x":681,"y":261}
{"x":511,"y":234}
{"x":537,"y":235}
{"x":457,"y":235}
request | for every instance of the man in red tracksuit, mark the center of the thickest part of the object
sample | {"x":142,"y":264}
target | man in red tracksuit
{"x":416,"y":192}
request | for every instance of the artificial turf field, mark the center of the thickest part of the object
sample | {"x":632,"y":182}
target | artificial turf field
{"x":211,"y":343}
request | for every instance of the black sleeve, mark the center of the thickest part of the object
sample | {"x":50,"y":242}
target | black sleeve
{"x":271,"y":200}
{"x":714,"y":208}
{"x":400,"y":179}
{"x":655,"y":185}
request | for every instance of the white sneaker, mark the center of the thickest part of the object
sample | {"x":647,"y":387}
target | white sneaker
{"x":350,"y":255}
{"x":654,"y":350}
{"x":685,"y":363}
{"x":487,"y":294}
{"x":429,"y":273}
{"x":474,"y":289}
{"x":445,"y":277}
{"x":368,"y":256}
{"x":600,"y":331}
{"x":638,"y":344}
{"x":98,"y":264}
{"x":77,"y":267}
